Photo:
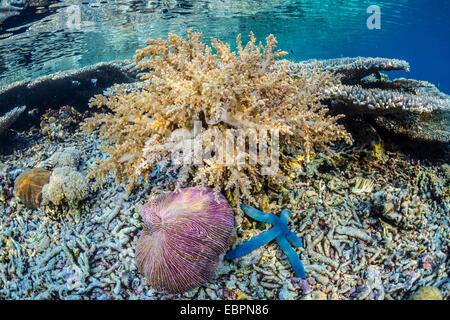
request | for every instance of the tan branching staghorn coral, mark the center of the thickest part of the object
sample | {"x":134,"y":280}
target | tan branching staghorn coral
{"x":186,"y":82}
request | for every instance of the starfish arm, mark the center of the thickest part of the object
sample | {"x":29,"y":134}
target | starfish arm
{"x":257,"y":214}
{"x":253,"y":244}
{"x":292,"y":256}
{"x":284,"y":216}
{"x":294,"y":239}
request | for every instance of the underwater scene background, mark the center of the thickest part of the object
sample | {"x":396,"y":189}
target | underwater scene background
{"x":224,"y":150}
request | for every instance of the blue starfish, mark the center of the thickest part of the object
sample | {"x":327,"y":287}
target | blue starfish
{"x":279,"y":231}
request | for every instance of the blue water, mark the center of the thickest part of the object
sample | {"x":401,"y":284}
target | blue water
{"x":416,"y":30}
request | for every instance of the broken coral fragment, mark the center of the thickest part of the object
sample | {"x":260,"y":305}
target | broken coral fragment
{"x":184,"y":234}
{"x":427,"y":293}
{"x":60,"y":124}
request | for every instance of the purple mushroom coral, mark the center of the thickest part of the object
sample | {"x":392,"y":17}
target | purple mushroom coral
{"x":184,"y":234}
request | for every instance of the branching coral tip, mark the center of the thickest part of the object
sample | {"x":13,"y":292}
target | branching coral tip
{"x":279,"y":231}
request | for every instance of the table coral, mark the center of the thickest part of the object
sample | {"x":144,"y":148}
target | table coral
{"x":9,"y":118}
{"x":279,"y":231}
{"x":184,"y":234}
{"x":427,"y":293}
{"x":187,"y":83}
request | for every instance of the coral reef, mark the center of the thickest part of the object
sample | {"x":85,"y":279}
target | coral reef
{"x":72,"y":87}
{"x":185,"y":83}
{"x":184,"y":234}
{"x":29,"y":184}
{"x":279,"y":231}
{"x":350,"y":251}
{"x":65,"y":183}
{"x":9,"y":118}
{"x":374,"y":223}
{"x":427,"y":293}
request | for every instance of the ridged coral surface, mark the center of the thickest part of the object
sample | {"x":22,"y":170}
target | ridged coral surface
{"x":427,"y":293}
{"x":184,"y":234}
{"x":28,"y":186}
{"x":9,"y":118}
{"x":243,"y":90}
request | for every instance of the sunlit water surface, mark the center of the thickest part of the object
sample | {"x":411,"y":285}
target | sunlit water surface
{"x":73,"y":34}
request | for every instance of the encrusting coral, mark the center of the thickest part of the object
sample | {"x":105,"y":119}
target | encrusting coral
{"x":186,"y":82}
